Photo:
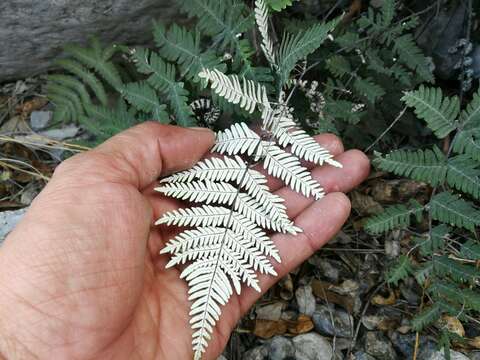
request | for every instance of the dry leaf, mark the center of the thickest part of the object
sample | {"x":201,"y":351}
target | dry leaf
{"x":31,"y":105}
{"x":302,"y":325}
{"x":267,"y":329}
{"x":475,"y":342}
{"x":364,"y":204}
{"x":452,"y":324}
{"x":380,"y":300}
{"x":322,"y":290}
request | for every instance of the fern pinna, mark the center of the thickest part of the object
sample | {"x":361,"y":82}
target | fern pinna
{"x":449,"y":251}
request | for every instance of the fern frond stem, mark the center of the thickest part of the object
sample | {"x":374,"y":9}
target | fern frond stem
{"x":397,"y":119}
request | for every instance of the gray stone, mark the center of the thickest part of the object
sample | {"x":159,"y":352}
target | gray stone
{"x":270,"y":311}
{"x":8,"y":220}
{"x":312,"y":346}
{"x":361,"y":355}
{"x":377,"y":345}
{"x":454,"y":355}
{"x":305,"y":300}
{"x":258,"y":353}
{"x":404,"y":344}
{"x":221,"y":357}
{"x":342,"y":325}
{"x":67,"y":132}
{"x":474,"y":355}
{"x":40,"y":119}
{"x":32,"y":33}
{"x":281,"y":348}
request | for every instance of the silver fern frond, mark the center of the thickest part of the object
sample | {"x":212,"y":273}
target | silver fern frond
{"x":228,"y":243}
{"x":239,"y":139}
{"x":246,"y":93}
{"x":261,"y":18}
{"x":285,"y":166}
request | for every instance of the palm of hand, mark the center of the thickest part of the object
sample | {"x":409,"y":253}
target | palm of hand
{"x":89,"y":281}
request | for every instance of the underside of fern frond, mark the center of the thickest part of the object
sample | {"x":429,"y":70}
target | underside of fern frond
{"x":226,"y":241}
{"x":229,"y":242}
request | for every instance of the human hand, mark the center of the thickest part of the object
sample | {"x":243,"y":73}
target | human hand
{"x":81,"y":276}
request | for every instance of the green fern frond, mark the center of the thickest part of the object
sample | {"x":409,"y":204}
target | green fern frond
{"x":433,"y":241}
{"x":411,"y":55}
{"x":457,"y":271}
{"x":144,"y":98}
{"x":468,"y":142}
{"x":388,"y":12}
{"x":401,"y":270}
{"x":464,"y":298}
{"x":450,"y":209}
{"x":61,"y":91}
{"x":394,"y":217}
{"x":422,"y":165}
{"x":106,"y":122}
{"x":464,"y":175}
{"x":295,"y":47}
{"x":279,"y":5}
{"x":470,"y":117}
{"x":86,"y":76}
{"x":338,"y":65}
{"x":93,"y":58}
{"x":221,"y":19}
{"x":426,"y":317}
{"x":439,"y":112}
{"x":368,"y":89}
{"x":179,"y":45}
{"x":470,"y":250}
{"x":73,"y":84}
{"x":162,"y":78}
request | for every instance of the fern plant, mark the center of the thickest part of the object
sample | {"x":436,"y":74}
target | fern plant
{"x":227,"y":241}
{"x":449,"y":251}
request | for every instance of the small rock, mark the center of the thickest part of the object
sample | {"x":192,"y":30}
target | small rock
{"x":312,"y":346}
{"x":305,"y":300}
{"x":474,"y":355}
{"x":270,"y":311}
{"x":258,"y":353}
{"x":66,"y":132}
{"x":371,"y":322}
{"x":30,"y":192}
{"x":325,"y":269}
{"x":454,"y":355}
{"x":410,"y":291}
{"x":360,"y":355}
{"x":377,"y":345}
{"x":404,"y":344}
{"x":289,"y":315}
{"x":341,"y":326}
{"x":281,"y":348}
{"x":40,"y":119}
{"x":392,"y":248}
{"x":221,"y":357}
{"x":8,"y":220}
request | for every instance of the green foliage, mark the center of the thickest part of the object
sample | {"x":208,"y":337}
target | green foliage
{"x":394,"y":217}
{"x":295,"y":47}
{"x":279,"y":5}
{"x":401,"y":270}
{"x":432,"y":166}
{"x":449,"y":253}
{"x":438,"y":111}
{"x":451,"y":209}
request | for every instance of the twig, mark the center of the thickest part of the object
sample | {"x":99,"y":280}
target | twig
{"x":364,"y":311}
{"x":397,"y":119}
